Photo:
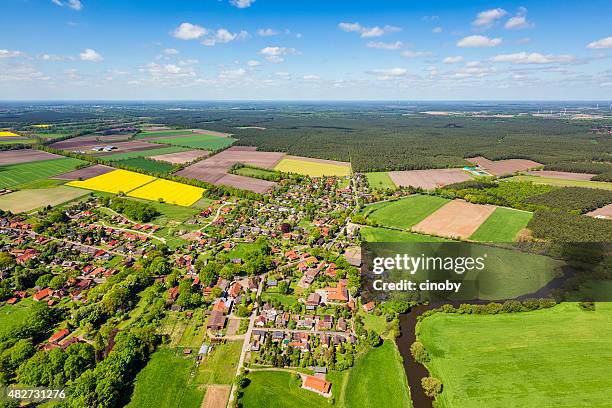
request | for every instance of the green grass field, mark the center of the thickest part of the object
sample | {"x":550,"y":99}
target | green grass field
{"x":146,"y":164}
{"x":375,"y":234}
{"x":406,"y":212}
{"x":380,"y":180}
{"x":219,"y":367}
{"x":557,"y":357}
{"x":201,"y":141}
{"x":563,"y":182}
{"x":165,"y":382}
{"x":164,"y":133}
{"x":15,"y":174}
{"x":279,"y":389}
{"x":378,"y":380}
{"x":14,"y":315}
{"x":27,"y":200}
{"x":17,"y":141}
{"x":144,"y":153}
{"x":502,"y":226}
{"x":256,"y":173}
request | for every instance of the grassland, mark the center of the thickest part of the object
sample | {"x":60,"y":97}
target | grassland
{"x":163,"y":133}
{"x":373,"y":377}
{"x":13,"y":315}
{"x":380,"y":180}
{"x":256,"y":173}
{"x":27,"y":200}
{"x":219,"y":366}
{"x":147,"y":165}
{"x":165,"y":383}
{"x":144,"y":153}
{"x":404,"y":213}
{"x":502,"y":226}
{"x":16,"y":174}
{"x":554,"y":357}
{"x":311,"y":168}
{"x":168,"y":191}
{"x":199,"y":141}
{"x":114,"y":182}
{"x":563,"y":182}
{"x":279,"y":389}
{"x":375,"y":234}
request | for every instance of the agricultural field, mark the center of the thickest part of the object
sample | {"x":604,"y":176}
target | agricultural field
{"x":164,"y":133}
{"x":404,"y":213}
{"x":256,"y":173}
{"x":28,"y":200}
{"x":16,"y":174}
{"x":553,"y":356}
{"x":375,"y":234}
{"x":168,"y":191}
{"x":25,"y":156}
{"x":502,"y":226}
{"x":114,"y":182}
{"x":5,"y":133}
{"x":198,"y":141}
{"x":313,"y":167}
{"x":457,"y":219}
{"x":563,"y":182}
{"x":150,"y":166}
{"x":180,"y":157}
{"x":428,"y":179}
{"x":144,"y":153}
{"x":504,"y":167}
{"x":380,"y":180}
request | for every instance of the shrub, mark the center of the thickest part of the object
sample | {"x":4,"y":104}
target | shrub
{"x":431,"y":386}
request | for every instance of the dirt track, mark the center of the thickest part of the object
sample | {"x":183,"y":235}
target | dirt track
{"x":457,"y":219}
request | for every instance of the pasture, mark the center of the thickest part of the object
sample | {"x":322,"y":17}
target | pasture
{"x":279,"y":389}
{"x":15,"y":174}
{"x":165,"y":133}
{"x":563,"y":182}
{"x":313,"y":167}
{"x":198,"y":141}
{"x":144,"y":153}
{"x":502,"y":226}
{"x":169,"y":191}
{"x":219,"y":366}
{"x":380,"y":180}
{"x":374,"y":234}
{"x":28,"y":200}
{"x":256,"y":173}
{"x":404,"y":213}
{"x":552,"y":357}
{"x":114,"y":182}
{"x":151,"y":166}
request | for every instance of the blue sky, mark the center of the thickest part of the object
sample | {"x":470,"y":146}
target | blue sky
{"x":311,"y":49}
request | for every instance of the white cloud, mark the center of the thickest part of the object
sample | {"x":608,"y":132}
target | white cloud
{"x":10,"y":54}
{"x":599,"y":44}
{"x":275,"y":54}
{"x":73,"y":4}
{"x":19,"y":72}
{"x":223,"y":36}
{"x":415,"y":54}
{"x":519,"y":20}
{"x":266,"y":32}
{"x":170,"y":51}
{"x":232,"y":73}
{"x":487,"y":18}
{"x":437,"y":30}
{"x":253,"y":63}
{"x":52,"y":57}
{"x":478,"y":41}
{"x":167,"y":71}
{"x":533,"y":58}
{"x":368,"y":32}
{"x":389,"y":73}
{"x":242,"y":3}
{"x":385,"y":46}
{"x":452,"y":60}
{"x":90,"y":55}
{"x":188,"y":31}
{"x":311,"y":77}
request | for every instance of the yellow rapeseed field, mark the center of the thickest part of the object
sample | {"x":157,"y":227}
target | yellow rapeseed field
{"x":312,"y":169}
{"x":170,"y":191}
{"x":7,"y":134}
{"x":114,"y":182}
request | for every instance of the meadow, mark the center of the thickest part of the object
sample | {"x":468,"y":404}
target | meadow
{"x":13,"y":315}
{"x":380,"y":180}
{"x":114,"y":182}
{"x":553,"y":357}
{"x":404,"y":213}
{"x":502,"y":226}
{"x":144,"y":153}
{"x":27,"y":200}
{"x":199,"y":141}
{"x":15,"y":174}
{"x":563,"y":182}
{"x":150,"y":166}
{"x":311,"y":168}
{"x":376,"y":234}
{"x":279,"y":389}
{"x":163,"y":133}
{"x":169,"y":191}
{"x":257,"y":173}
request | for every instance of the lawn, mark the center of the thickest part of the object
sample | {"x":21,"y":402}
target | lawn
{"x":165,"y":382}
{"x":312,"y":169}
{"x":285,"y":300}
{"x":380,"y":180}
{"x":406,"y":212}
{"x":279,"y":389}
{"x":199,"y":141}
{"x":563,"y":182}
{"x":219,"y":367}
{"x":502,"y":226}
{"x":378,"y":380}
{"x":27,"y":200}
{"x":144,"y":153}
{"x":374,"y":234}
{"x":557,"y":357}
{"x":15,"y":174}
{"x":13,"y":315}
{"x":151,"y":166}
{"x":242,"y":249}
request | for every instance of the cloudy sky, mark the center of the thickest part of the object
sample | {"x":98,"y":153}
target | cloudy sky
{"x":305,"y":49}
